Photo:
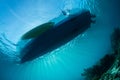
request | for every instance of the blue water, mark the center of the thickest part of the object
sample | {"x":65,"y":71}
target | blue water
{"x":66,"y":62}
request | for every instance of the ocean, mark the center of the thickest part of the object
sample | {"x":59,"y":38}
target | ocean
{"x":66,"y":62}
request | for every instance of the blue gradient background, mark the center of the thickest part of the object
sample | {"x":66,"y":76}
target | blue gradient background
{"x":66,"y":62}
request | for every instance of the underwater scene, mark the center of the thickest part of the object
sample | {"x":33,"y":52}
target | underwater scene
{"x":59,"y":39}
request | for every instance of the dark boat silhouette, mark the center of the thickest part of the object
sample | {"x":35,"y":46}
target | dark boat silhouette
{"x":53,"y":36}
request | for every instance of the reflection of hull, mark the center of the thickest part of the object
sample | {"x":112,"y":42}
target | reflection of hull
{"x":57,"y":36}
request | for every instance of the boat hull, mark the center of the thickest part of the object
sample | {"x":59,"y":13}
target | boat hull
{"x":59,"y":35}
